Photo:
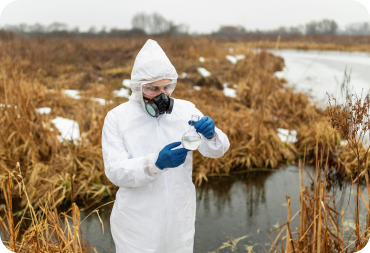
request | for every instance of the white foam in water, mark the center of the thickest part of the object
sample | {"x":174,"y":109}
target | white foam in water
{"x":122,"y":93}
{"x":43,"y":110}
{"x":68,"y":128}
{"x":72,"y":93}
{"x":204,"y":72}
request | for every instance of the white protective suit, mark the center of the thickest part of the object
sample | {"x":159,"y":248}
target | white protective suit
{"x":154,"y":211}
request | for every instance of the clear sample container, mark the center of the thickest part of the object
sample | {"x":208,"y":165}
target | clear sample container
{"x":191,"y":139}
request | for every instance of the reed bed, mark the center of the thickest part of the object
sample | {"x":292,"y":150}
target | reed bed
{"x":35,"y":71}
{"x":44,"y":230}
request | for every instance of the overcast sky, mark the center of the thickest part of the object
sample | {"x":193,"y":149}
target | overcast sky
{"x":201,"y":16}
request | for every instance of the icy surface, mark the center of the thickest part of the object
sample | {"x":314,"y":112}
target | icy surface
{"x":201,"y":59}
{"x":102,"y":101}
{"x":286,"y":136}
{"x":43,"y":110}
{"x":72,"y":93}
{"x":204,"y":72}
{"x":122,"y":93}
{"x":229,"y":92}
{"x":318,"y":72}
{"x":126,"y":82}
{"x":68,"y":128}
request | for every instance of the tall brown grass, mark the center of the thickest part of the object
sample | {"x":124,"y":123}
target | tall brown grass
{"x":45,"y":230}
{"x":34,"y":72}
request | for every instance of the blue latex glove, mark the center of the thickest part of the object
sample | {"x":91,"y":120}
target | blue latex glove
{"x":205,"y":126}
{"x":169,"y":158}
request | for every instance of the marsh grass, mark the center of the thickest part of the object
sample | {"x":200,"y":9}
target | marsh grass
{"x":35,"y":71}
{"x":42,"y":230}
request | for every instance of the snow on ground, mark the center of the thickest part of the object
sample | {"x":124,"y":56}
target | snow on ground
{"x":234,"y":59}
{"x":122,"y":93}
{"x":72,"y":93}
{"x":43,"y":110}
{"x":9,"y":106}
{"x":204,"y":72}
{"x":183,"y":75}
{"x":201,"y":59}
{"x":287,"y":136}
{"x":229,"y":92}
{"x":196,"y":87}
{"x":68,"y":128}
{"x":102,"y":101}
{"x":318,"y":72}
{"x":126,"y":83}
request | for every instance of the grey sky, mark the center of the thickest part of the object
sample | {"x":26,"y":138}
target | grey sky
{"x":199,"y":15}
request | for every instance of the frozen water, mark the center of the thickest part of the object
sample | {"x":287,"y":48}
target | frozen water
{"x":43,"y":110}
{"x":201,"y":59}
{"x":318,"y":72}
{"x":72,"y":93}
{"x":122,"y":93}
{"x":68,"y":128}
{"x":287,"y":136}
{"x":204,"y":72}
{"x":126,"y":83}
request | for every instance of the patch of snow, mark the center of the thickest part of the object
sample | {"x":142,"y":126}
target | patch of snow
{"x":100,"y":79}
{"x":43,"y":110}
{"x":231,"y":49}
{"x":235,"y":59}
{"x":72,"y":93}
{"x":279,"y":74}
{"x":126,"y":83}
{"x":229,"y":92}
{"x":204,"y":72}
{"x":287,"y":136}
{"x":232,"y":59}
{"x":240,"y":57}
{"x":196,"y":87}
{"x":122,"y":93}
{"x":101,"y":101}
{"x":201,"y":59}
{"x":343,"y":143}
{"x":9,"y":106}
{"x":235,"y":86}
{"x":183,"y":75}
{"x":68,"y":128}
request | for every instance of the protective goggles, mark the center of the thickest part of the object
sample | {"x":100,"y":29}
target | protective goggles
{"x":155,"y":89}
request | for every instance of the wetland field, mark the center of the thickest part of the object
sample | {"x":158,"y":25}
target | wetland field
{"x":296,"y":166}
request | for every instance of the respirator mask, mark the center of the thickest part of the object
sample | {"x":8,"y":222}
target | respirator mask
{"x":161,"y":102}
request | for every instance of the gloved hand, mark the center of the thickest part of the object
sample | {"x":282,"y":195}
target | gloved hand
{"x":169,"y":158}
{"x":205,"y":126}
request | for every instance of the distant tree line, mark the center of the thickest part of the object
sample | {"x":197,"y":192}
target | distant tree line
{"x":156,"y":24}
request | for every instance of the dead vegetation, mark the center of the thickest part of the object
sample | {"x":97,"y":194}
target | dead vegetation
{"x":34,"y":72}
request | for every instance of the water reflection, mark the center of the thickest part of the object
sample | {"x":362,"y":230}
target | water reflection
{"x":234,"y":213}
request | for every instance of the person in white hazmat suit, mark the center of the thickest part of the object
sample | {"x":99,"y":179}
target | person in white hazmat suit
{"x":154,"y":211}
